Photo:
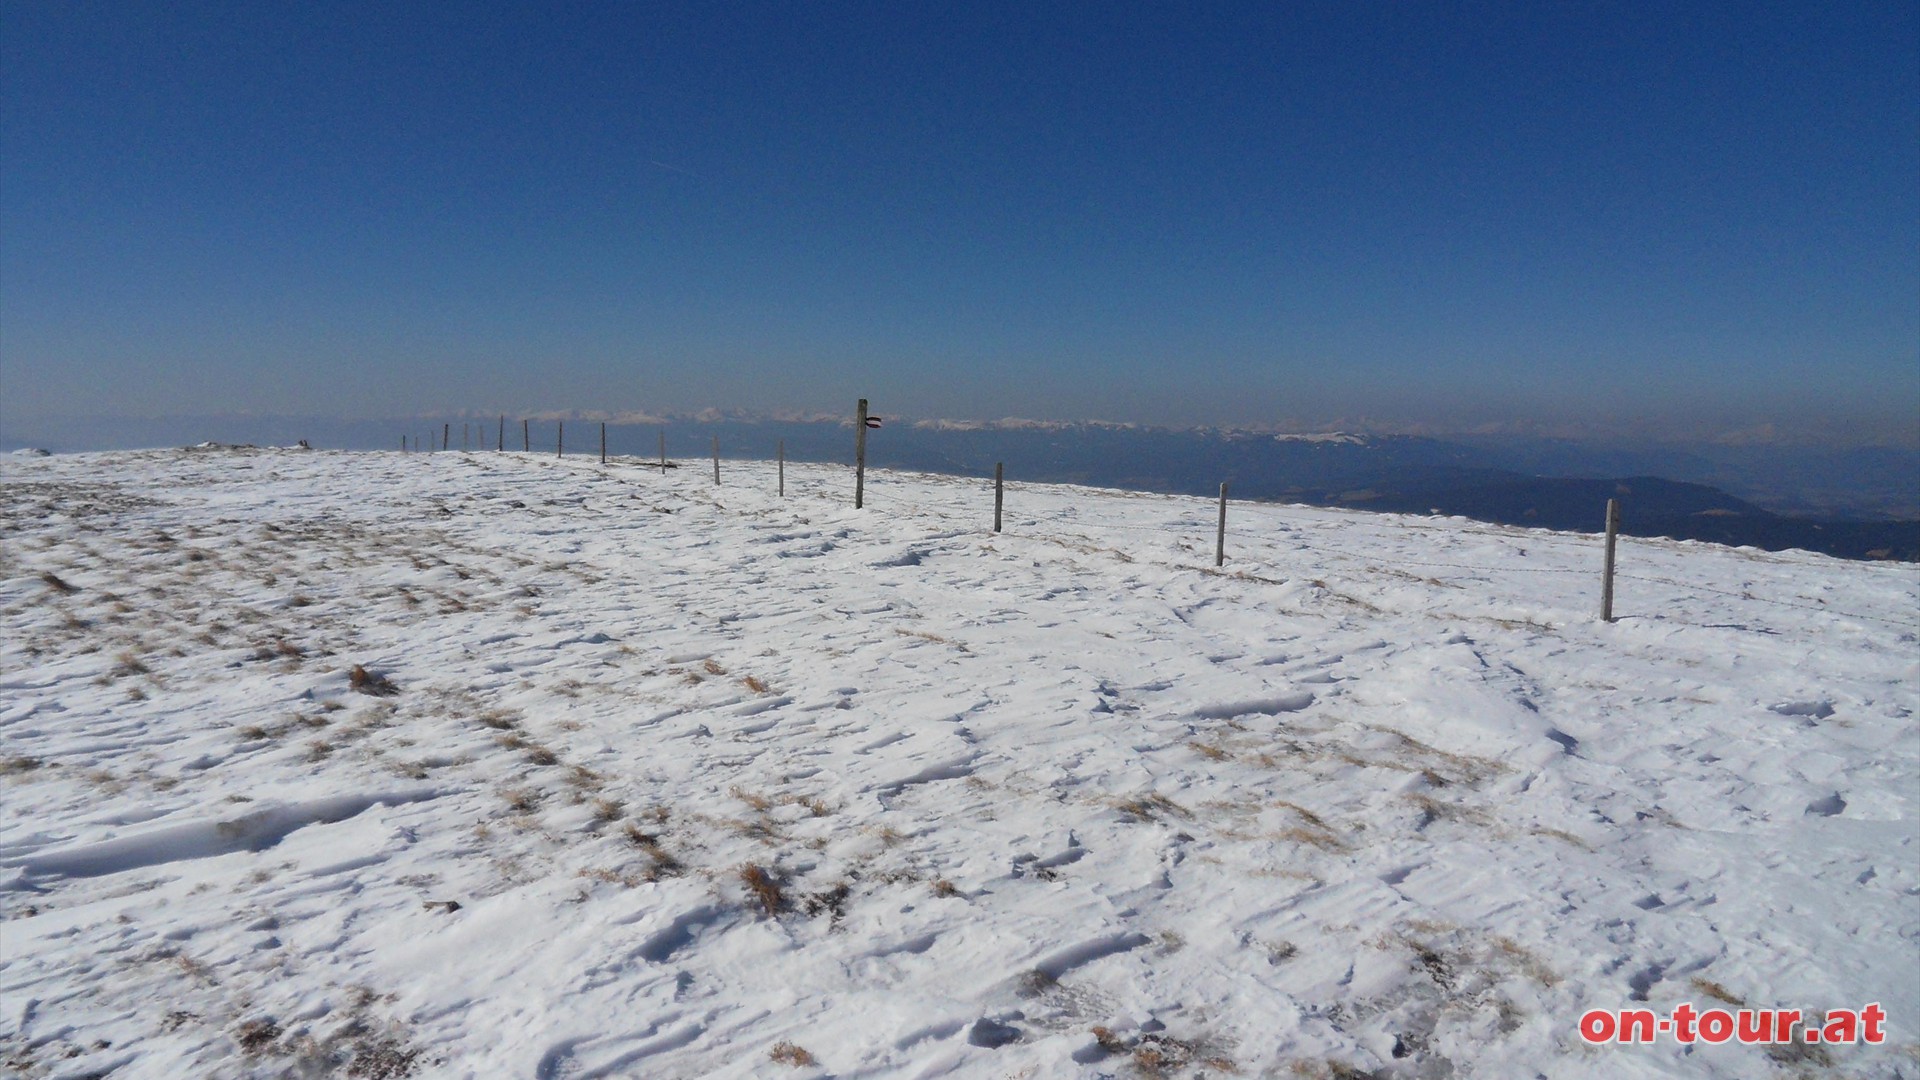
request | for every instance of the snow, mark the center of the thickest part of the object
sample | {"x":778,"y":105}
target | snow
{"x":1381,"y":797}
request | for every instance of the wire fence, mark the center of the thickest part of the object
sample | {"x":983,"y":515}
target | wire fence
{"x":1295,"y":537}
{"x":1292,"y":538}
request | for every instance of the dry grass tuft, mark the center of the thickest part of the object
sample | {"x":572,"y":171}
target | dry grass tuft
{"x":787,"y":1053}
{"x":540,"y":755}
{"x":766,"y":891}
{"x":754,"y":685}
{"x":1150,"y":807}
{"x":945,"y":888}
{"x":1717,"y":992}
{"x":1155,"y":1053}
{"x":523,"y":800}
{"x":664,"y":864}
{"x":58,"y":585}
{"x":832,"y":903}
{"x":255,"y":1036}
{"x":712,"y":667}
{"x":367,"y":682}
{"x":758,"y":802}
{"x":281,"y":649}
{"x":814,"y":806}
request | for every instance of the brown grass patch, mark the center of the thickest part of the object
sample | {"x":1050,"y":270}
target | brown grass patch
{"x":1717,"y":992}
{"x":758,"y":802}
{"x":787,"y":1053}
{"x":1150,"y":807}
{"x":766,"y":891}
{"x":367,"y":682}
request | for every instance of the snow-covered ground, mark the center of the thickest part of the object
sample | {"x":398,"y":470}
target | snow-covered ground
{"x":643,"y":777}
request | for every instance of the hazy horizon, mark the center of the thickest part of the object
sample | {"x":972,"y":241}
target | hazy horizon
{"x":95,"y":431}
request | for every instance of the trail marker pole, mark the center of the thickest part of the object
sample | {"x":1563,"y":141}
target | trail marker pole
{"x":663,"y":453}
{"x":603,"y":442}
{"x":446,"y":431}
{"x":860,"y":455}
{"x":403,"y":444}
{"x":466,"y":437}
{"x":526,"y":436}
{"x":1606,"y":574}
{"x":999,"y":491}
{"x":560,"y":438}
{"x":716,"y":461}
{"x":502,"y":444}
{"x":780,"y":455}
{"x":1220,"y":536}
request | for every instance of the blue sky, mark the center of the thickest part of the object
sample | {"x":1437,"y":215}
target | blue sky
{"x":1687,"y":218}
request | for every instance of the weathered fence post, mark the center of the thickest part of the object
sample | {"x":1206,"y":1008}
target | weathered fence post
{"x":1606,"y":573}
{"x":860,"y":455}
{"x":1220,"y":536}
{"x":999,"y":491}
{"x":526,"y":436}
{"x":603,"y":442}
{"x":466,"y":438}
{"x":446,"y":432}
{"x":780,"y":455}
{"x":559,"y":438}
{"x":502,"y":444}
{"x":716,"y":460}
{"x":403,"y":444}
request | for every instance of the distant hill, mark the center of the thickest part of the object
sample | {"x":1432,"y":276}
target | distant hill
{"x":1649,"y":507}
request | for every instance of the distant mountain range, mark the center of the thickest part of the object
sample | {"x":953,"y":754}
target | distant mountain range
{"x":1401,"y":474}
{"x":1861,"y":503}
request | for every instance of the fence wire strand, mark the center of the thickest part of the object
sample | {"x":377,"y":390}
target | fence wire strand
{"x":1178,"y":529}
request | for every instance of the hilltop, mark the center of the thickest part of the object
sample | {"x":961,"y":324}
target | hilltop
{"x":509,"y":765}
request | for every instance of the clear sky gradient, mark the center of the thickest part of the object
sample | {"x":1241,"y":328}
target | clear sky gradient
{"x":1683,"y":217}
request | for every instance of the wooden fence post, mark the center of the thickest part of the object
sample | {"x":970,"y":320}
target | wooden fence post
{"x":780,"y":455}
{"x":526,"y":436}
{"x":403,"y":444}
{"x":446,"y":431}
{"x":663,"y":453}
{"x":999,"y":491}
{"x":1220,"y":537}
{"x":466,"y":437}
{"x":716,"y":460}
{"x":603,"y":442}
{"x":1606,"y":574}
{"x":560,"y":438}
{"x":860,"y":455}
{"x":502,"y":444}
